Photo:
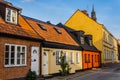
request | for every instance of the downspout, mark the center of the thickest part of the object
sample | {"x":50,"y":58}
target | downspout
{"x":40,"y":75}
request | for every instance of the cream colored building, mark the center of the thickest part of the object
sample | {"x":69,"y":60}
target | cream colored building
{"x":52,"y":55}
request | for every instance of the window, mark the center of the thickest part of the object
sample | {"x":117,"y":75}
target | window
{"x":15,"y":55}
{"x":42,"y":27}
{"x":66,"y":56}
{"x":82,"y":40}
{"x":58,"y":31}
{"x":72,"y":57}
{"x":104,"y":54}
{"x":11,"y":16}
{"x":104,"y":37}
{"x":88,"y":58}
{"x":85,"y":58}
{"x":90,"y":42}
{"x":77,"y":58}
{"x":57,"y":57}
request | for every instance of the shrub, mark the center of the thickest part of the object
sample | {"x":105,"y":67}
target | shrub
{"x":64,"y":65}
{"x":31,"y":75}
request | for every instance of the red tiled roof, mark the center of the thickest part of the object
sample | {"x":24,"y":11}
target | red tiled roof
{"x":23,"y":30}
{"x":50,"y":33}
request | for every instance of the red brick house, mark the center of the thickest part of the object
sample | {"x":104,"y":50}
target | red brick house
{"x":19,"y":44}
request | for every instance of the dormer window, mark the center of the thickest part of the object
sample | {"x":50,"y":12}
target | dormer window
{"x":82,"y":40}
{"x":42,"y":27}
{"x":58,"y":31}
{"x":11,"y":16}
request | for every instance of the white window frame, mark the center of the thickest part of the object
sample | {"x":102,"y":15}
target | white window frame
{"x":72,"y":57}
{"x":16,"y":16}
{"x":77,"y":57}
{"x":15,"y":55}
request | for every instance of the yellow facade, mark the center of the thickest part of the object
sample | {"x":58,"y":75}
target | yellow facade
{"x":80,"y":21}
{"x":109,"y":47}
{"x":51,"y":64}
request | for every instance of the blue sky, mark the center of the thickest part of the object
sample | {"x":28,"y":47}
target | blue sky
{"x":55,"y":11}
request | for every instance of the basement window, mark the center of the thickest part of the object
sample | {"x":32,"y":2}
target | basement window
{"x":42,"y":27}
{"x":58,"y":31}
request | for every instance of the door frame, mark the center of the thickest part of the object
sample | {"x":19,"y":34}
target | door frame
{"x":37,"y":59}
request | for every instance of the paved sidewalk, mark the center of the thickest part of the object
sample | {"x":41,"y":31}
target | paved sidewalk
{"x":74,"y":75}
{"x":77,"y":74}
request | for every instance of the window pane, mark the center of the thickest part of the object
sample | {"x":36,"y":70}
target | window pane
{"x":23,"y":61}
{"x":18,"y":61}
{"x":8,"y":14}
{"x":6,"y":55}
{"x":14,"y":16}
{"x":6,"y":61}
{"x":12,"y":55}
{"x":12,"y":48}
{"x":57,"y":57}
{"x":12,"y":61}
{"x":77,"y":58}
{"x":23,"y":49}
{"x":72,"y":59}
{"x":18,"y":55}
{"x":18,"y":49}
{"x":7,"y":48}
{"x":23,"y":58}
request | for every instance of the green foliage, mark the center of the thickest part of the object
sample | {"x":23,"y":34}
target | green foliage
{"x":64,"y":65}
{"x":31,"y":75}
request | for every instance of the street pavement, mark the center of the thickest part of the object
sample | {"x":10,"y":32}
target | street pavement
{"x":111,"y":72}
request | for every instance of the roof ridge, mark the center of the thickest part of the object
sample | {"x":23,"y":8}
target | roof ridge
{"x":37,"y":20}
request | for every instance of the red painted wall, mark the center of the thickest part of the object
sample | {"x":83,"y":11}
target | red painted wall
{"x":90,"y":59}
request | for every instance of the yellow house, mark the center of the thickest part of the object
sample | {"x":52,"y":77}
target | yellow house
{"x":56,"y":39}
{"x":80,"y":21}
{"x":53,"y":67}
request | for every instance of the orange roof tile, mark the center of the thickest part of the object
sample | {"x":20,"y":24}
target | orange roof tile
{"x":22,"y":29}
{"x":50,"y":33}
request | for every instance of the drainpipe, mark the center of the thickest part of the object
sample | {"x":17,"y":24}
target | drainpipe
{"x":40,"y":75}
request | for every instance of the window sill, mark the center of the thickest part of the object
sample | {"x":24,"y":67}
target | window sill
{"x":15,"y":65}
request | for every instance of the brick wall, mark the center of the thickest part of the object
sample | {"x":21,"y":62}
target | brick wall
{"x":15,"y":72}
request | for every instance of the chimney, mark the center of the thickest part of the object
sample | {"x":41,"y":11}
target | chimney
{"x":85,"y":12}
{"x":49,"y":22}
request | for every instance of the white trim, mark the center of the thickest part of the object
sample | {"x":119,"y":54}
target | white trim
{"x":11,"y":15}
{"x":15,"y":55}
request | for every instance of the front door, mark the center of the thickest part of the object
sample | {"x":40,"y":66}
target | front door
{"x":45,"y":64}
{"x":35,"y":59}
